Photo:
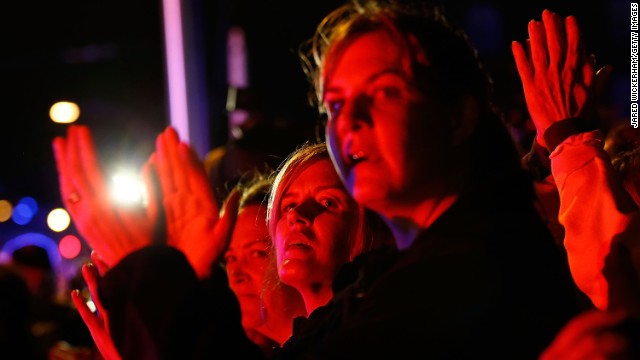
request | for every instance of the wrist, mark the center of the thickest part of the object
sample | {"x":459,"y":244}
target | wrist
{"x":555,"y":134}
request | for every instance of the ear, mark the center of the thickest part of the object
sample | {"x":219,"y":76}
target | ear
{"x":464,"y":120}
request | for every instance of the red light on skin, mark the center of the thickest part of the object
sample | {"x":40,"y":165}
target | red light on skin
{"x":69,"y":246}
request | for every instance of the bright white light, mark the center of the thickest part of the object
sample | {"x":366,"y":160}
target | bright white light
{"x":128,"y":189}
{"x":64,"y":112}
{"x":91,"y":305}
{"x":58,"y":219}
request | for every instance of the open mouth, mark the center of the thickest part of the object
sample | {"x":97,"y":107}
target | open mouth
{"x":356,"y":158}
{"x":297,"y":246}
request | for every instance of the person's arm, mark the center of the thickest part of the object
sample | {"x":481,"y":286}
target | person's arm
{"x":602,"y":222}
{"x":558,"y":81}
{"x":159,"y":309}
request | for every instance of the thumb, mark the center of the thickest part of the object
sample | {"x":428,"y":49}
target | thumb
{"x":601,"y":79}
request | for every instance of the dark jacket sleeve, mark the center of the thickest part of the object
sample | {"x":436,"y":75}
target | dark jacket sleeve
{"x":158,"y":309}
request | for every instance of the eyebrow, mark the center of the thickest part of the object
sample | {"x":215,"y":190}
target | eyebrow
{"x":370,"y":79}
{"x":251,"y":243}
{"x":266,"y":241}
{"x":337,"y":186}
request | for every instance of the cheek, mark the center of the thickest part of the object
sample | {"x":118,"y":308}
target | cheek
{"x":339,"y":239}
{"x":258,"y":272}
{"x":278,"y":243}
{"x":334,"y":145}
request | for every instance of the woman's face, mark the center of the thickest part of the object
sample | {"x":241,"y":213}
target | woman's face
{"x":246,"y":259}
{"x":387,"y":139}
{"x":316,"y":218}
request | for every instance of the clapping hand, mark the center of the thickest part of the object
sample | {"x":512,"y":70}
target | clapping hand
{"x":113,"y":231}
{"x":194,"y":223}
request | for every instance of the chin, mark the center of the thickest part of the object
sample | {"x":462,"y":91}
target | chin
{"x":368,"y":195}
{"x":293,"y":272}
{"x":251,"y":318}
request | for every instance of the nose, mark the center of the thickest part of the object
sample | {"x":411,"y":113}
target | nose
{"x":303,"y":213}
{"x":236,"y":273}
{"x":355,"y":115}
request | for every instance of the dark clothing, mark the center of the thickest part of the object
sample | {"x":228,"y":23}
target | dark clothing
{"x":484,"y":281}
{"x":158,"y":309}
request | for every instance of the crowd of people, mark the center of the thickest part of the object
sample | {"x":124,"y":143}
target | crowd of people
{"x":410,"y":229}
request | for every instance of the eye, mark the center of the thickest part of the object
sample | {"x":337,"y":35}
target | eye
{"x":288,"y":206}
{"x":329,"y":203}
{"x":259,"y":254}
{"x":387,"y":95}
{"x":229,"y":259}
{"x":334,"y":106}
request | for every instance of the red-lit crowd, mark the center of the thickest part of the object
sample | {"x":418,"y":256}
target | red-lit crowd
{"x":412,"y":229}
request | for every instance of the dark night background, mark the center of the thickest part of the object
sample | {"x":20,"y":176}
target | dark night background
{"x":108,"y":57}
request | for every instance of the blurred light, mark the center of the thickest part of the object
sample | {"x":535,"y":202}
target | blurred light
{"x":69,"y":246}
{"x":237,"y":77}
{"x":64,"y":112}
{"x":91,"y":306}
{"x":58,"y":219}
{"x":5,"y":210}
{"x":176,"y":72}
{"x":30,"y":202}
{"x":128,"y":189}
{"x":32,"y":238}
{"x":25,"y":211}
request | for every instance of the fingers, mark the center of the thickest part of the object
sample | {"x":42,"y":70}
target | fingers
{"x":574,"y":51}
{"x":553,"y":25}
{"x":79,"y":175}
{"x":97,"y":327}
{"x":171,"y":169}
{"x":197,"y":177}
{"x":100,"y":264}
{"x":522,"y":63}
{"x":538,"y":39}
{"x":89,"y":160}
{"x":92,"y":321}
{"x":601,"y":79}
{"x":151,"y":183}
{"x":588,"y":70}
{"x":163,"y":163}
{"x":91,"y":278}
{"x":59,"y":151}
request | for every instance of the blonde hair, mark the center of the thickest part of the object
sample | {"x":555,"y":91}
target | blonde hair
{"x":362,"y":238}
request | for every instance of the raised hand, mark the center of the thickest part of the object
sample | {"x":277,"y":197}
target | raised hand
{"x":194,"y":223}
{"x":556,"y":75}
{"x":97,"y":323}
{"x":113,"y":231}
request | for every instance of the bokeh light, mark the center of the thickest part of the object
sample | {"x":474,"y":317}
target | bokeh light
{"x":69,"y":246}
{"x":128,"y":189}
{"x":5,"y":210}
{"x":64,"y":112}
{"x":58,"y":219}
{"x":25,"y":210}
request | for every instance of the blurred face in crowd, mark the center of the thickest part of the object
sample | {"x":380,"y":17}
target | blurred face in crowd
{"x":247,"y":259}
{"x":314,"y":225}
{"x":389,"y":139}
